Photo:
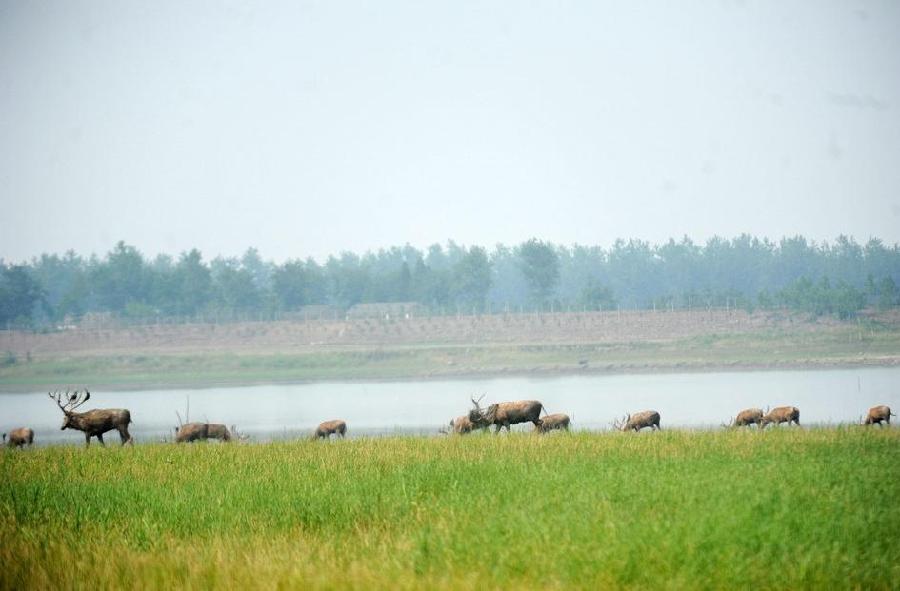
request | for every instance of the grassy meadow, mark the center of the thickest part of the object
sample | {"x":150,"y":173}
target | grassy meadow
{"x":787,"y":508}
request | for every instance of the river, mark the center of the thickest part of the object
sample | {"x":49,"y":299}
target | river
{"x":686,"y":400}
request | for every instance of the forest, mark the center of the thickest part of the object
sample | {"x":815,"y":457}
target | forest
{"x":830,"y":278}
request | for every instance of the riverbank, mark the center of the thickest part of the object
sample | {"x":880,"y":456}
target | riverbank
{"x":568,"y":344}
{"x":671,"y":509}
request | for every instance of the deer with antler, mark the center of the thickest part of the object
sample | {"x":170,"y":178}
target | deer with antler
{"x":747,"y":417}
{"x":94,"y":423}
{"x":505,"y":414}
{"x":637,"y":421}
{"x":781,"y":414}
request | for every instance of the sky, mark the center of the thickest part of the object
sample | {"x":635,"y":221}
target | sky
{"x":304,"y":129}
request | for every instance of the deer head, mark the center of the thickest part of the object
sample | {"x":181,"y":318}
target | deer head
{"x":476,"y":415}
{"x":242,"y":437}
{"x":69,"y":402}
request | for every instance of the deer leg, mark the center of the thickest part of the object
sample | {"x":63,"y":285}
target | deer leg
{"x":100,"y":439}
{"x":124,"y":436}
{"x":87,"y":439}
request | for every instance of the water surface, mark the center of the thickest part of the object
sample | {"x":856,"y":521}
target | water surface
{"x":688,"y":400}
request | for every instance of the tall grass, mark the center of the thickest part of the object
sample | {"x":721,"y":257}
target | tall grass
{"x":789,"y":508}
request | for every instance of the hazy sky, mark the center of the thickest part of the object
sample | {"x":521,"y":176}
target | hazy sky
{"x":308,"y":128}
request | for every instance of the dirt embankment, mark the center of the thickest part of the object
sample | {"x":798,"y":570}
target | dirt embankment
{"x":632,"y":327}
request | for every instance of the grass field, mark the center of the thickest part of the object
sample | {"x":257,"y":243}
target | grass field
{"x":203,"y":355}
{"x":788,"y":508}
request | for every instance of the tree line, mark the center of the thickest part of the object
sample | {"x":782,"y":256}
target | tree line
{"x":838,"y":278}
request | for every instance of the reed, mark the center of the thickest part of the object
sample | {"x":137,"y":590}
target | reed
{"x":789,"y":508}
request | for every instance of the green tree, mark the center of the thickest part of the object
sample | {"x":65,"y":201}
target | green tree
{"x":597,"y":297}
{"x":19,"y":295}
{"x":540,"y":266}
{"x":291,"y":285}
{"x":887,"y":293}
{"x":193,"y":284}
{"x":120,"y":279}
{"x":234,"y":286}
{"x":472,"y":278}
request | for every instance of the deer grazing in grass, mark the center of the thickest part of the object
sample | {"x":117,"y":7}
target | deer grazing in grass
{"x":94,"y":423}
{"x":505,"y":414}
{"x":637,"y":421}
{"x":326,"y":429}
{"x":461,"y":425}
{"x":781,"y":414}
{"x":191,"y":432}
{"x":557,"y":421}
{"x":19,"y":437}
{"x":747,"y":417}
{"x":879,"y":414}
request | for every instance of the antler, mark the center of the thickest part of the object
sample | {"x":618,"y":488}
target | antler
{"x":72,"y":401}
{"x":617,"y":424}
{"x":475,"y":402}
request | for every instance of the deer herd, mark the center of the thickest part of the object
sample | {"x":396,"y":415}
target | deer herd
{"x":96,"y":422}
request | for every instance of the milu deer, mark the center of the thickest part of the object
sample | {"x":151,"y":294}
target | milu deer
{"x":19,"y":437}
{"x":461,"y":425}
{"x":326,"y":429}
{"x":505,"y":414}
{"x":637,"y":421}
{"x":556,"y":421}
{"x":94,"y":423}
{"x":879,"y":414}
{"x":781,"y":414}
{"x":747,"y":417}
{"x":191,"y":432}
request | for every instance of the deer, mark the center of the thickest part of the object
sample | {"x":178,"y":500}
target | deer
{"x":19,"y":437}
{"x":747,"y":417}
{"x":461,"y":425}
{"x":556,"y":421}
{"x":637,"y":421}
{"x":326,"y":429}
{"x":94,"y":423}
{"x":879,"y":414}
{"x":781,"y":414}
{"x":190,"y":432}
{"x":505,"y":414}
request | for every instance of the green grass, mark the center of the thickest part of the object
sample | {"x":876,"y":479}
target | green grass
{"x":788,"y":508}
{"x":767,"y":349}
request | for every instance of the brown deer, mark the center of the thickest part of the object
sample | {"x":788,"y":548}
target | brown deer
{"x":94,"y":423}
{"x":879,"y":414}
{"x":505,"y":414}
{"x":556,"y":421}
{"x":461,"y":425}
{"x":781,"y":414}
{"x":191,"y":432}
{"x":19,"y":437}
{"x":637,"y":421}
{"x":747,"y":417}
{"x":326,"y":429}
